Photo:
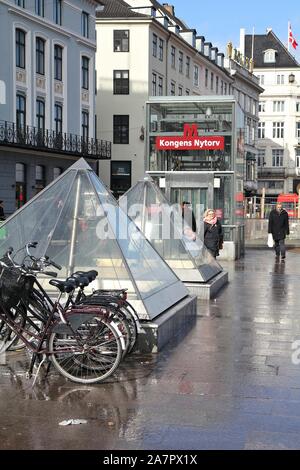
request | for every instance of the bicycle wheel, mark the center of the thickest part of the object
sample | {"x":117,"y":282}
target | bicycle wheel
{"x":89,"y":355}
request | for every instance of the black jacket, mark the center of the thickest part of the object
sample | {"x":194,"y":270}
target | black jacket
{"x":2,"y":216}
{"x":279,"y":224}
{"x":189,"y":218}
{"x":213,"y":237}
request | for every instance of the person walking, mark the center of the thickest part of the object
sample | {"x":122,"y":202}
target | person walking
{"x":213,"y":232}
{"x":279,"y":228}
{"x":2,"y":215}
{"x":188,"y":216}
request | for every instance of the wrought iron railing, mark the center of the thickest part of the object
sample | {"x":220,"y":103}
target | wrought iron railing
{"x":71,"y":144}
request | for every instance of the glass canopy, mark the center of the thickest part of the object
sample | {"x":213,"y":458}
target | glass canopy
{"x":164,"y":227}
{"x":79,"y":224}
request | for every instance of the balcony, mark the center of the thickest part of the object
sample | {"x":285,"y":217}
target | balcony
{"x":68,"y":144}
{"x":271,"y":172}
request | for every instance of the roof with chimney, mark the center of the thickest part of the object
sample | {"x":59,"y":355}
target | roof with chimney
{"x":265,"y":42}
{"x":118,"y":9}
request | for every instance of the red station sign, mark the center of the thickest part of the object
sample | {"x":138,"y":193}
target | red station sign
{"x":190,"y":141}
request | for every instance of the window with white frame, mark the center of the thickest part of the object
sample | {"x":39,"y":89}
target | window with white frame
{"x":278,"y":130}
{"x":161,"y":49}
{"x":85,"y":24}
{"x":261,"y":130}
{"x":160,"y":86}
{"x":277,"y":157}
{"x":298,"y":130}
{"x":280,"y":79}
{"x":261,"y":157}
{"x":180,"y":91}
{"x":261,"y":79}
{"x":154,"y":45}
{"x":270,"y":56}
{"x":298,"y":107}
{"x":262,"y":107}
{"x":154,"y":84}
{"x":173,"y":57}
{"x":173,"y":87}
{"x":188,"y":67}
{"x":217,"y":85}
{"x":297,"y":159}
{"x":211,"y":81}
{"x":278,"y":106}
{"x":196,"y":75}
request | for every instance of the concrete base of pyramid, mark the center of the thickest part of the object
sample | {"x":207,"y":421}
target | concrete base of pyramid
{"x":210,"y":289}
{"x":174,"y":323}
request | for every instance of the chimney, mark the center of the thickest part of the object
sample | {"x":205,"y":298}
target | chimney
{"x":200,"y":40}
{"x":170,"y":8}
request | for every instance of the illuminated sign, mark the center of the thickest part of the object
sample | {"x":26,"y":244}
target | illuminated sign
{"x":190,"y":141}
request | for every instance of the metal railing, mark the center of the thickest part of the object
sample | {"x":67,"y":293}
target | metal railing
{"x":72,"y":144}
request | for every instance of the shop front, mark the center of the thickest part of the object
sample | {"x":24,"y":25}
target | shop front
{"x":195,"y":153}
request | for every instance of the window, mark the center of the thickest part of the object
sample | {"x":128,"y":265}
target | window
{"x":39,"y":7}
{"x":40,"y":56}
{"x":206,"y":78}
{"x":196,"y":75}
{"x":298,"y":107}
{"x":56,"y":172}
{"x":58,"y":118}
{"x":187,"y":92}
{"x":261,"y":79}
{"x":85,"y":125}
{"x":85,"y":61}
{"x":180,"y":61}
{"x":40,"y":180}
{"x":161,"y":49}
{"x":40,"y":115}
{"x":173,"y":86}
{"x":58,"y":52}
{"x":225,"y":88}
{"x":121,"y":129}
{"x":262,"y":107}
{"x":270,"y":57}
{"x":278,"y":130}
{"x":297,"y":158}
{"x":222,"y":87}
{"x":154,"y":84}
{"x":20,"y":112}
{"x":298,"y":130}
{"x":120,"y":179}
{"x":261,"y":130}
{"x":20,"y":48}
{"x":188,"y":67}
{"x":20,"y":3}
{"x":85,"y":24}
{"x":261,"y":157}
{"x":154,"y":45}
{"x":121,"y":40}
{"x":280,"y":79}
{"x":211,"y":81}
{"x":277,"y":157}
{"x":278,"y":106}
{"x":121,"y":82}
{"x":160,"y":86}
{"x":173,"y":57}
{"x":20,"y":185}
{"x":57,"y":15}
{"x":180,"y":91}
{"x":217,"y":85}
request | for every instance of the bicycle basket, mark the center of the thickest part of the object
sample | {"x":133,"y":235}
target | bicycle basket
{"x":14,"y":287}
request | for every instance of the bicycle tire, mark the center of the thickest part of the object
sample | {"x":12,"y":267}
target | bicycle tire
{"x":97,"y":336}
{"x":9,"y":340}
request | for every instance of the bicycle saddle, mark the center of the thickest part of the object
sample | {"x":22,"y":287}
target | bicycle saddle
{"x":91,"y":275}
{"x":63,"y":286}
{"x":82,"y":281}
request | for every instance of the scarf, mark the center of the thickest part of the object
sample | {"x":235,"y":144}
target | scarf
{"x":212,"y":221}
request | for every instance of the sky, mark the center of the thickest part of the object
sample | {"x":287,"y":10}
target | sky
{"x":220,"y":21}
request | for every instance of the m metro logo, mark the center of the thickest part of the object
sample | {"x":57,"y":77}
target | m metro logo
{"x":190,"y":141}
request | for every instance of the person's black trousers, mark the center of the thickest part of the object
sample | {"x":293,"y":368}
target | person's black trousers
{"x":280,"y":248}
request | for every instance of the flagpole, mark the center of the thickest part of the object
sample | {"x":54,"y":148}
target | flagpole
{"x":289,"y":28}
{"x":253,"y":36}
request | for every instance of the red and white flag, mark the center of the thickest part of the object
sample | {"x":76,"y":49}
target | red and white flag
{"x":292,"y":40}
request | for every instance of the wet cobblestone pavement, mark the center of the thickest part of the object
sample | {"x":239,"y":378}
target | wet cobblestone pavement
{"x":229,"y":384}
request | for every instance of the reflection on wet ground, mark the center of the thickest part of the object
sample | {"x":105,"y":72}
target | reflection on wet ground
{"x":229,"y":384}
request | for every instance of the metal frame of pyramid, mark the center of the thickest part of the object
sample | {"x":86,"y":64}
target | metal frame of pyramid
{"x":189,"y":259}
{"x":68,"y":219}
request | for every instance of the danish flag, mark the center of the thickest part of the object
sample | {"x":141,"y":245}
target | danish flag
{"x":292,"y":40}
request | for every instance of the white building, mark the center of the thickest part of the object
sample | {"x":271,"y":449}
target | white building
{"x":279,"y":112}
{"x":47,"y":92}
{"x":144,"y":50}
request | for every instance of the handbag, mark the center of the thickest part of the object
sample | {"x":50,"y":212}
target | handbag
{"x":270,"y":240}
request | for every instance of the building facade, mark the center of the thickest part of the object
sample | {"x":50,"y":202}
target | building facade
{"x":47,"y":93}
{"x":144,"y":50}
{"x":279,"y":113}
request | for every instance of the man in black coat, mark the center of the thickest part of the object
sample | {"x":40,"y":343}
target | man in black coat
{"x":188,"y":215}
{"x":279,"y":228}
